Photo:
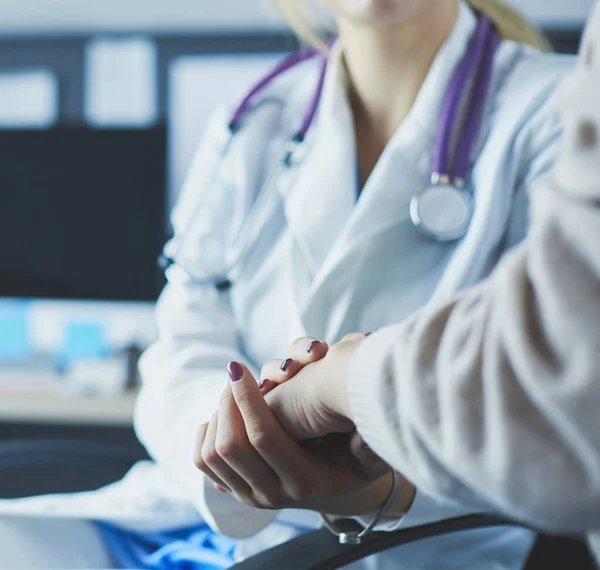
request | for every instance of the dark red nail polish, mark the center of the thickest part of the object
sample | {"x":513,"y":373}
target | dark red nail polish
{"x":367,"y":335}
{"x":235,"y":371}
{"x":312,"y":345}
{"x":285,"y":364}
{"x":365,"y":445}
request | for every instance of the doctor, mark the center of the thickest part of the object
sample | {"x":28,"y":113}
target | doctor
{"x":342,"y":194}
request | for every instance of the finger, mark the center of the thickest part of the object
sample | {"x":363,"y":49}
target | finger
{"x":265,"y":434}
{"x":266,"y":386}
{"x":225,"y":475}
{"x":354,"y":337}
{"x":199,"y":460}
{"x":307,"y":349}
{"x":234,"y":447}
{"x":279,"y":371}
{"x":372,"y":464}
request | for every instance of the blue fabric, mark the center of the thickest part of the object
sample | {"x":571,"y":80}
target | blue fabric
{"x":195,"y":548}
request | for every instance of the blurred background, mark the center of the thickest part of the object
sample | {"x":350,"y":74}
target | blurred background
{"x":102,"y":104}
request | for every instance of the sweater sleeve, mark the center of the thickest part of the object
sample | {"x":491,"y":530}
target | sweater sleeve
{"x":491,"y":399}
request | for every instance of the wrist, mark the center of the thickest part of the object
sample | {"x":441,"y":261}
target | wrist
{"x":367,"y":502}
{"x":337,"y":395}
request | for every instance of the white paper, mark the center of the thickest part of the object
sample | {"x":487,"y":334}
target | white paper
{"x":197,"y":85}
{"x":28,"y":99}
{"x":120,"y":83}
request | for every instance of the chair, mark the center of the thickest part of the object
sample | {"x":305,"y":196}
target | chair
{"x":319,"y":550}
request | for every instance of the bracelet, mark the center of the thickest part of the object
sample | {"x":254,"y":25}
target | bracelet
{"x":356,"y":537}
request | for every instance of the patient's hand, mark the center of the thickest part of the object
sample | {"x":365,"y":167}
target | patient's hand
{"x":303,"y":353}
{"x":315,"y":404}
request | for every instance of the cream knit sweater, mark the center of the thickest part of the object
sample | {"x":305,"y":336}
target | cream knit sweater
{"x":493,"y":399}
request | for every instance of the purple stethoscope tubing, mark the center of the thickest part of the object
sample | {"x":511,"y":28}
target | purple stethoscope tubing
{"x":442,"y":212}
{"x":447,"y":170}
{"x":463,"y":158}
{"x":478,"y":60}
{"x":288,"y":63}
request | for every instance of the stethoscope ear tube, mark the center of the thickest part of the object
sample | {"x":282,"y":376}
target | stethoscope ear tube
{"x":442,"y":212}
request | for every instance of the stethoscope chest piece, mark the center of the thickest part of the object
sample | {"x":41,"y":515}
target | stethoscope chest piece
{"x":442,"y":212}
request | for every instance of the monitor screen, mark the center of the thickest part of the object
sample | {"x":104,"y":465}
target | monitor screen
{"x":82,"y":213}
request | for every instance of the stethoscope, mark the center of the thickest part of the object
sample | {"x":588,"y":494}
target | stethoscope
{"x":441,"y":212}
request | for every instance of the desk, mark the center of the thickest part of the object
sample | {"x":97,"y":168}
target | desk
{"x":67,"y":411}
{"x":51,"y":418}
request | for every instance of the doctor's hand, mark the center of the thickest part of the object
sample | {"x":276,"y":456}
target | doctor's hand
{"x":245,"y":451}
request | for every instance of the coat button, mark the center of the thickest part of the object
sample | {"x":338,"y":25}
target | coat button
{"x":587,"y":134}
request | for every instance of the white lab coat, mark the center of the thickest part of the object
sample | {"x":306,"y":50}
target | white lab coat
{"x":321,"y":264}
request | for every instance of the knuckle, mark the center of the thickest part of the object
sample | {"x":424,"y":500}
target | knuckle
{"x":210,"y":456}
{"x":301,"y":491}
{"x":200,"y":437}
{"x":273,"y":500}
{"x":229,"y":448}
{"x":256,"y":502}
{"x":199,"y":462}
{"x":262,"y":440}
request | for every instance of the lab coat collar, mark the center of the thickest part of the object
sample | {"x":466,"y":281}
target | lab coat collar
{"x":326,"y":221}
{"x":405,"y":165}
{"x":323,"y":194}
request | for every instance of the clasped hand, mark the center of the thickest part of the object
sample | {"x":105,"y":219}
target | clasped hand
{"x":292,"y":444}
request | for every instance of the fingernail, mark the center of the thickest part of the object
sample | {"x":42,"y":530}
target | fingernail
{"x":235,"y":371}
{"x":312,"y":345}
{"x":285,"y":364}
{"x":365,"y":446}
{"x":367,"y":335}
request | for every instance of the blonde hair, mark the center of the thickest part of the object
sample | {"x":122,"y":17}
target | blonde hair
{"x":510,"y":23}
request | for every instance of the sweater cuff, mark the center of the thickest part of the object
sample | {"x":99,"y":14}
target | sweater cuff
{"x":369,"y":389}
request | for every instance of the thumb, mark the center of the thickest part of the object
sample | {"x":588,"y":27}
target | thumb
{"x":246,"y":393}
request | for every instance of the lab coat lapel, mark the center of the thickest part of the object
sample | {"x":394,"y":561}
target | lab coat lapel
{"x":406,"y":163}
{"x":323,"y":194}
{"x":403,"y":169}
